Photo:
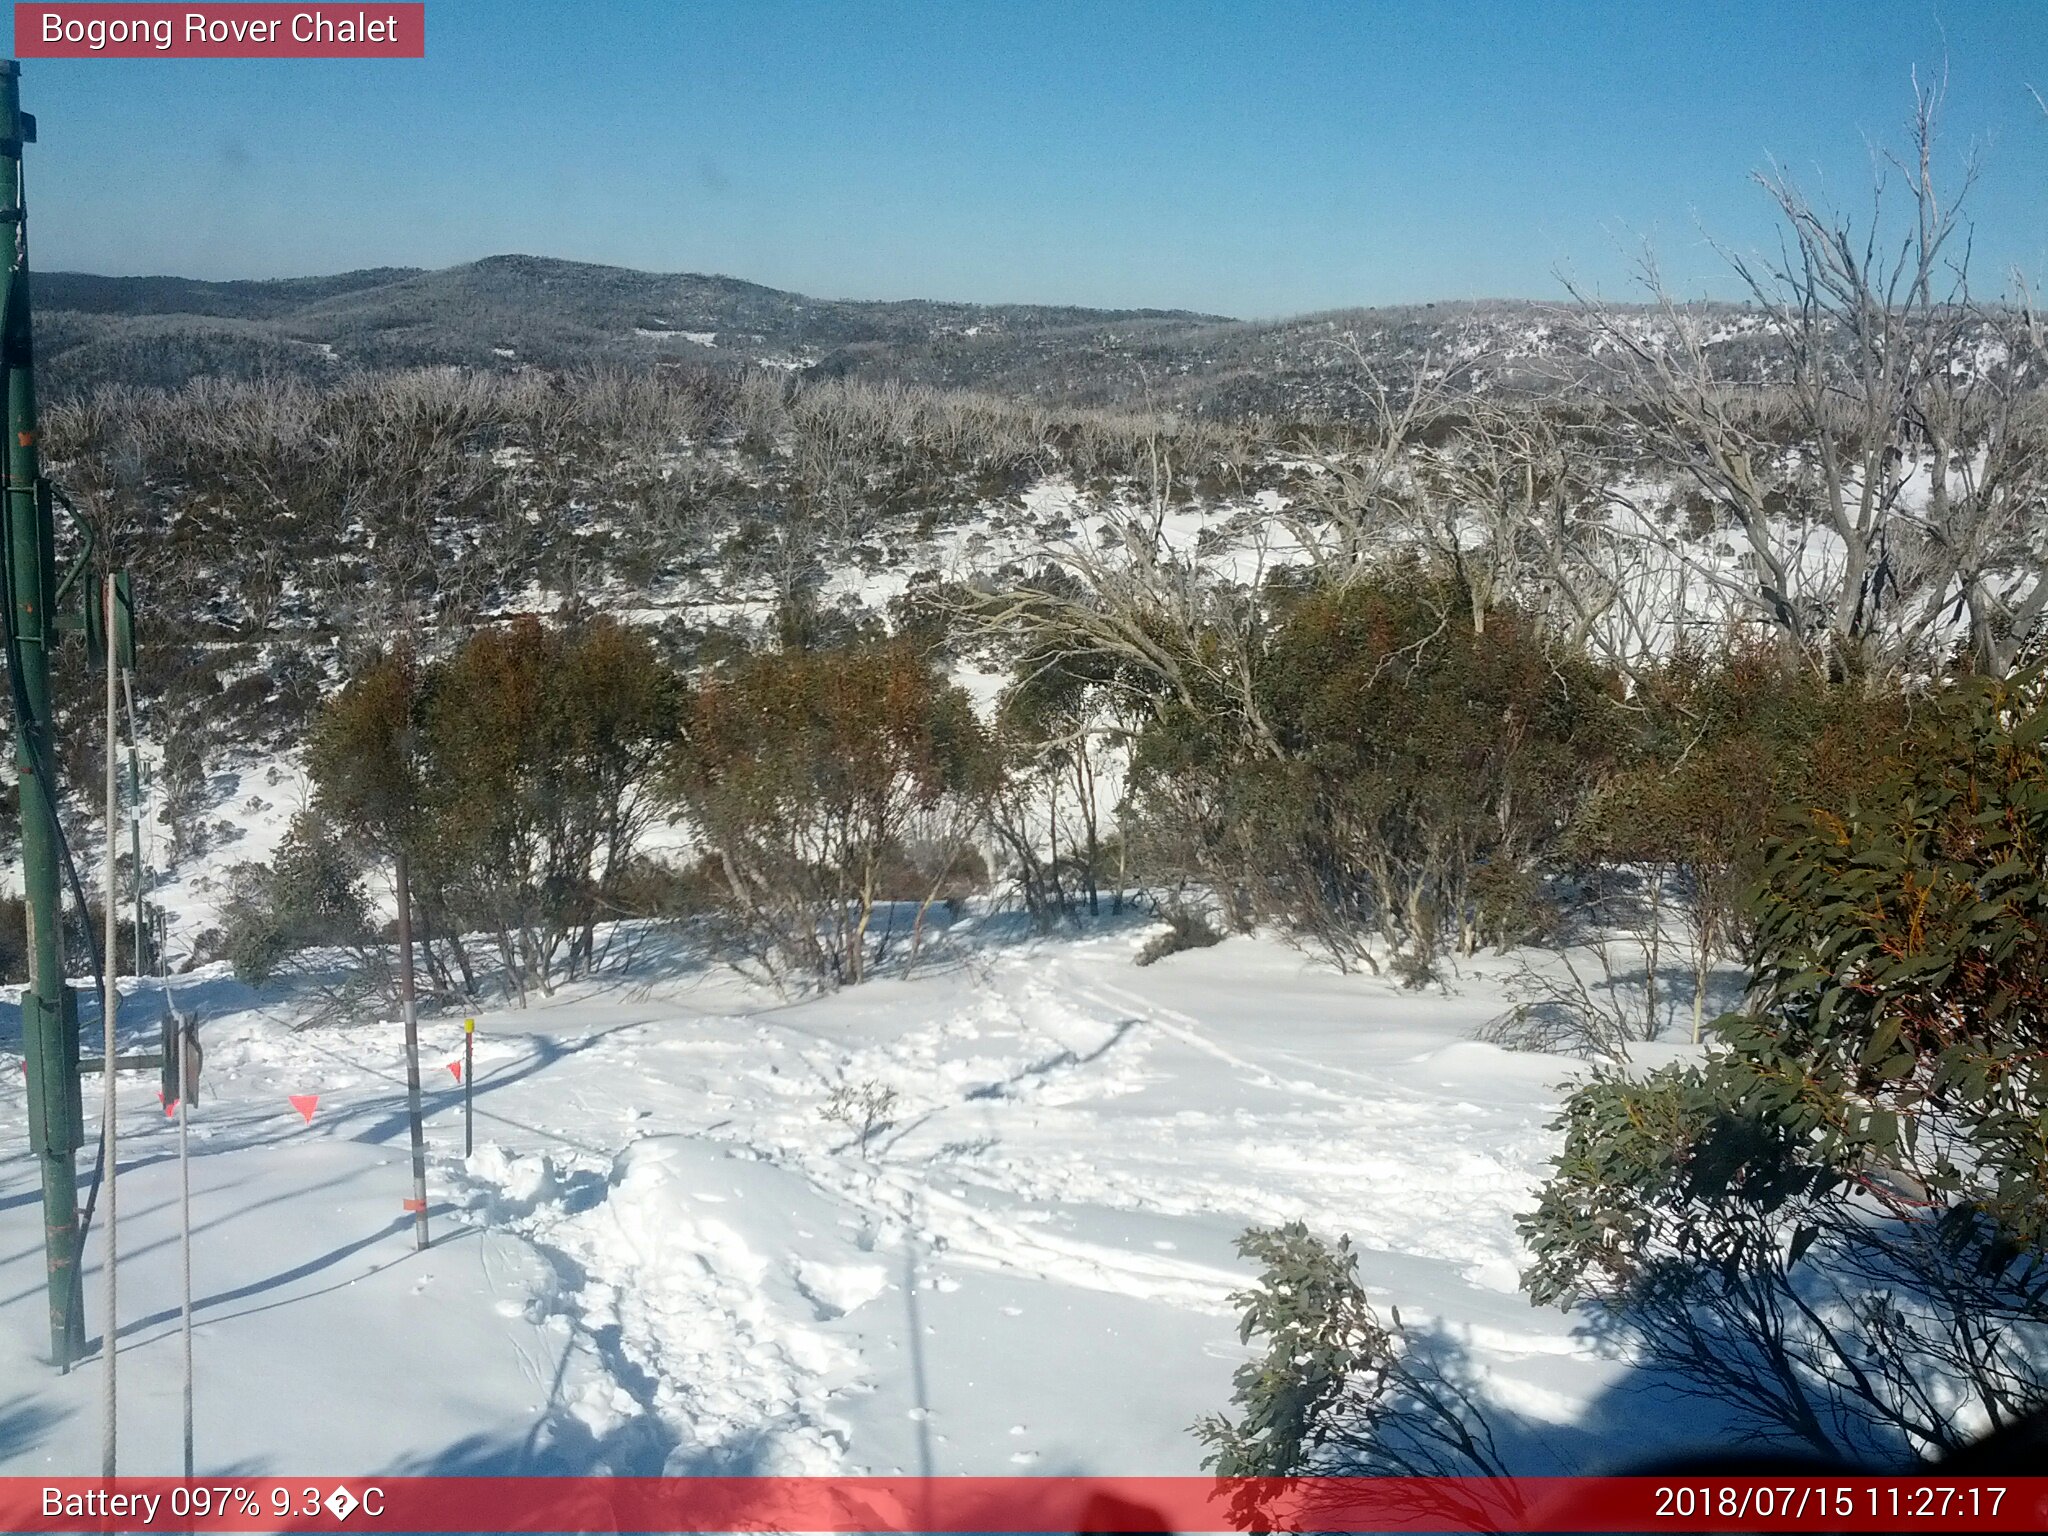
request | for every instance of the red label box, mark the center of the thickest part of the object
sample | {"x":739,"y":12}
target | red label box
{"x":968,"y":1506}
{"x":367,"y":29}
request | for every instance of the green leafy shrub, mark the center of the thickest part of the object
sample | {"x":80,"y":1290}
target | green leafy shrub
{"x":1407,"y":774}
{"x":515,"y":775}
{"x":1716,"y":748}
{"x":1836,"y":1224}
{"x":1336,"y":1392}
{"x":309,"y":895}
{"x":807,"y":774}
{"x":1186,"y":928}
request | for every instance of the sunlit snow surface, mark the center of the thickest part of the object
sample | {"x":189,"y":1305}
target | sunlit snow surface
{"x":664,"y":1255}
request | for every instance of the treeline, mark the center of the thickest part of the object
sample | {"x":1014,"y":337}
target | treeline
{"x":1395,"y":786}
{"x":1446,"y":677}
{"x":278,"y":507}
{"x":278,"y":529}
{"x":515,"y":776}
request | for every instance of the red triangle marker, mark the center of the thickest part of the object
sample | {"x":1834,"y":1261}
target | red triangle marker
{"x":170,"y":1108}
{"x":456,"y":1068}
{"x":304,"y":1103}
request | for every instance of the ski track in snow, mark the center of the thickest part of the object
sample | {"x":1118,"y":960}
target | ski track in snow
{"x":663,"y":1256}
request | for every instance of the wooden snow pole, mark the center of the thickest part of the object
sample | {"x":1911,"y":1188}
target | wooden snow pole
{"x":110,"y":1059}
{"x":407,"y":999}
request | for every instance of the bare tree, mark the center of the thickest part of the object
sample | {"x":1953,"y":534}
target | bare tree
{"x":1885,"y":475}
{"x":1130,"y":593}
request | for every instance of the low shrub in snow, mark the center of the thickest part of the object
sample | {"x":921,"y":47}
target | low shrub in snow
{"x":1838,"y":1223}
{"x":1337,"y":1392}
{"x":1185,"y":929}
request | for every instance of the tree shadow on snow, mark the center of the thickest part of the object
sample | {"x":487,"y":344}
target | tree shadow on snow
{"x":1646,"y":1418}
{"x":560,"y":1444}
{"x":23,"y":1424}
{"x":1058,"y":1061}
{"x":206,"y":1309}
{"x":387,"y":1125}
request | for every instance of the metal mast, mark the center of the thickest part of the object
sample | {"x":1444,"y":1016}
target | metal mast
{"x":48,"y":1012}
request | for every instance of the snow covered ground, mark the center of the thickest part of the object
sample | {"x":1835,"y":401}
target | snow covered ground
{"x":665,"y":1254}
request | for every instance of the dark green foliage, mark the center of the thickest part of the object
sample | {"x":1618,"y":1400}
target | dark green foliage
{"x":1706,"y":755}
{"x":365,"y":754}
{"x":1902,"y":964}
{"x":1715,"y":748}
{"x":515,"y":775}
{"x":13,"y":939}
{"x":543,"y":745}
{"x":1320,"y":1333}
{"x":1836,"y":1224}
{"x":79,"y":948}
{"x":1336,"y":1392}
{"x":310,"y":895}
{"x":1406,"y":776}
{"x":815,"y":777}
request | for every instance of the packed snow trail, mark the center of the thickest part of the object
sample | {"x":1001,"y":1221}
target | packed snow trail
{"x":664,"y":1254}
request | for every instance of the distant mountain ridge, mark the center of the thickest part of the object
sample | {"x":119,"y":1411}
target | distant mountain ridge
{"x":499,"y":312}
{"x":529,"y":311}
{"x":241,"y":299}
{"x":594,"y":293}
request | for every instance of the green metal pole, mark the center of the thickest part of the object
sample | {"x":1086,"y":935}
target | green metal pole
{"x":48,"y":1012}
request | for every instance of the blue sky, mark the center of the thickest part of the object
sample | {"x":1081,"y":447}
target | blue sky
{"x":1250,"y":158}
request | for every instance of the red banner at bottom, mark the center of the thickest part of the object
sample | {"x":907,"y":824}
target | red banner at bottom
{"x":1023,"y":1504}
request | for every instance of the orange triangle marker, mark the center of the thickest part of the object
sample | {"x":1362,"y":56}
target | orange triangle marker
{"x":456,"y":1068}
{"x":304,"y":1103}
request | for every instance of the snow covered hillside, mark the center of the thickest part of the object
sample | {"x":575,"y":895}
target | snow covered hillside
{"x":665,"y":1253}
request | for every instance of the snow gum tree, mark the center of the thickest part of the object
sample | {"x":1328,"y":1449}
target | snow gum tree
{"x":803,"y":772}
{"x":514,"y":774}
{"x":1885,"y":477}
{"x":1065,"y":727}
{"x":1420,"y":768}
{"x":544,"y":741}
